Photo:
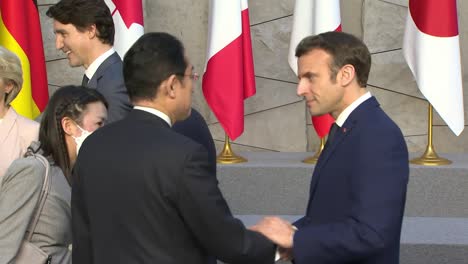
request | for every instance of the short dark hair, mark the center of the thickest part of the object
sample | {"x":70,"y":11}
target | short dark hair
{"x":69,"y":101}
{"x":151,"y":60}
{"x":84,"y":13}
{"x":344,"y":49}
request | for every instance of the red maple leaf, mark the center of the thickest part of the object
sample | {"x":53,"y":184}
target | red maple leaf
{"x":130,"y":10}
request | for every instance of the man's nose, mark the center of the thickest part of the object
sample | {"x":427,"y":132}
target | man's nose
{"x":300,"y":91}
{"x":58,"y":42}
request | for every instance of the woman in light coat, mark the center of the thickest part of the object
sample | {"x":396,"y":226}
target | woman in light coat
{"x":16,"y":131}
{"x":72,"y":114}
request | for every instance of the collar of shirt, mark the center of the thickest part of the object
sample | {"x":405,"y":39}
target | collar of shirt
{"x":91,"y":70}
{"x":348,"y":110}
{"x":155,"y":112}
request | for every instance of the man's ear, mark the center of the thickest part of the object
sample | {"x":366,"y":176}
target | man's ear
{"x":347,"y":74}
{"x":68,"y":125}
{"x":92,"y":31}
{"x":169,"y":85}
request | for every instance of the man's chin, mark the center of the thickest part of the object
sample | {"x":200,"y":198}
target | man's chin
{"x":74,"y":64}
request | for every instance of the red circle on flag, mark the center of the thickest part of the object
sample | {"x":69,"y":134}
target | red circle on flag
{"x":435,"y":17}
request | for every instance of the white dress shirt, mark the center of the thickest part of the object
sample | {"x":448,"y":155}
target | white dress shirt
{"x":155,"y":112}
{"x":92,"y":68}
{"x":348,"y":110}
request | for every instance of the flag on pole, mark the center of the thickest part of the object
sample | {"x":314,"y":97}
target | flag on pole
{"x":128,"y":22}
{"x":432,"y":49}
{"x":312,"y":17}
{"x":20,"y":32}
{"x":229,"y":72}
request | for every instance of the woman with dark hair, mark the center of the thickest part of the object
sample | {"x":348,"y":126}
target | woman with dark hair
{"x":72,"y":114}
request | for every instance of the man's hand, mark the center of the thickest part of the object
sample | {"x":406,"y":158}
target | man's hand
{"x":277,"y":230}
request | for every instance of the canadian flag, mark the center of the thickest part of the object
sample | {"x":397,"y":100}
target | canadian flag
{"x":312,"y":17}
{"x":229,"y":72}
{"x":128,"y":22}
{"x":432,"y":49}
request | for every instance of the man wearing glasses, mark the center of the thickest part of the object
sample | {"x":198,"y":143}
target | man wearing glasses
{"x":154,"y":197}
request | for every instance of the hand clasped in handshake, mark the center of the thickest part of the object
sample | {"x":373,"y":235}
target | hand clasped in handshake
{"x":280,"y":231}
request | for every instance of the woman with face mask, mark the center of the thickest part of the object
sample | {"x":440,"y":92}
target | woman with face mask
{"x":72,"y":114}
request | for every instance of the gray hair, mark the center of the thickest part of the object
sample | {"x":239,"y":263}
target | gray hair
{"x":11,"y":72}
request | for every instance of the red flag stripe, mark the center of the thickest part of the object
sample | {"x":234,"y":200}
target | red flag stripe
{"x":227,"y":102}
{"x":21,"y":19}
{"x":322,"y":124}
{"x":339,"y":29}
{"x":249,"y":75}
{"x":435,"y":17}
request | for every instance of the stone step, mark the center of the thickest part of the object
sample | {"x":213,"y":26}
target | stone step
{"x":424,"y":240}
{"x":278,"y":183}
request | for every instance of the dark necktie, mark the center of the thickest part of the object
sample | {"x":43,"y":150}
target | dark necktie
{"x":85,"y":81}
{"x":331,"y":134}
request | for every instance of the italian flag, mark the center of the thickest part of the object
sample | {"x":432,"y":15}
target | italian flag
{"x":312,"y":17}
{"x":20,"y":32}
{"x":229,"y":72}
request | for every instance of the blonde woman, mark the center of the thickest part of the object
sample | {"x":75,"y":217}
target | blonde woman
{"x":16,"y":131}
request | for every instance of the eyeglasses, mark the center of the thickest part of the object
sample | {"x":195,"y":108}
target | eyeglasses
{"x":194,"y":76}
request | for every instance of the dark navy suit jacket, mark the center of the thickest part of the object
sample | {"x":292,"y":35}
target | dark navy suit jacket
{"x":357,"y":194}
{"x":108,"y":80}
{"x":195,"y":128}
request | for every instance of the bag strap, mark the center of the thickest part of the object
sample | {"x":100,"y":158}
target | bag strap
{"x":42,"y":197}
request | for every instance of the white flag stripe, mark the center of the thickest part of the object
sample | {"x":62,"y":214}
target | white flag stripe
{"x":244,"y":4}
{"x":224,"y":23}
{"x":435,"y":63}
{"x":312,"y":17}
{"x":125,"y":37}
{"x":327,"y":14}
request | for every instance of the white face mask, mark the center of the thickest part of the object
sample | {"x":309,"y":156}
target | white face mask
{"x":79,"y":140}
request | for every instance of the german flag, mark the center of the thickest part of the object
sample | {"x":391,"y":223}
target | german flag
{"x":20,"y":32}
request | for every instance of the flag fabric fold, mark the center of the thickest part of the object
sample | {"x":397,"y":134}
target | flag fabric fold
{"x":312,"y":17}
{"x":128,"y":22}
{"x":20,"y":32}
{"x":431,"y":48}
{"x":229,"y":71}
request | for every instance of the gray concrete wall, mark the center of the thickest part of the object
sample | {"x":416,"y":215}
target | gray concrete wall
{"x":276,"y":119}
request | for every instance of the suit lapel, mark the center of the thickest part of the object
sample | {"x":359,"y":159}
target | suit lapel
{"x":340,"y":137}
{"x":102,"y":69}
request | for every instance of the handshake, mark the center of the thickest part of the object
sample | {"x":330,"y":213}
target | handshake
{"x":280,"y":231}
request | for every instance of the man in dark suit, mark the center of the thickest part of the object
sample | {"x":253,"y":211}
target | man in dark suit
{"x":84,"y":31}
{"x":143,"y":193}
{"x":358,"y":189}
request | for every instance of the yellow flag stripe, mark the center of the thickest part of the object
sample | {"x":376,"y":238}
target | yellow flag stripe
{"x":23,"y":103}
